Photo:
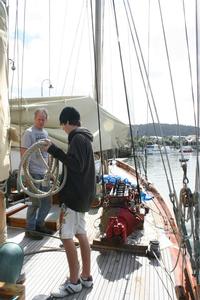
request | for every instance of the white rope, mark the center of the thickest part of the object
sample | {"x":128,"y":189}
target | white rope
{"x":29,"y":185}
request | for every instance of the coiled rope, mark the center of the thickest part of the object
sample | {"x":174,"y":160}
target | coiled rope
{"x":30,"y":185}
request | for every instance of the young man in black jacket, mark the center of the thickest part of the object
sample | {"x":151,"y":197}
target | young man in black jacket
{"x":76,"y":195}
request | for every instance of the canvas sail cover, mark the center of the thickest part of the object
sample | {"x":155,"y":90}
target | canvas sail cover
{"x":4,"y":104}
{"x":114,"y":133}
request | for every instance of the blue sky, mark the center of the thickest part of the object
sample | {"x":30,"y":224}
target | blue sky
{"x":70,"y":58}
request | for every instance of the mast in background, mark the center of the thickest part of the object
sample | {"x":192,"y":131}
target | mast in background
{"x":99,"y":6}
{"x":5,"y":118}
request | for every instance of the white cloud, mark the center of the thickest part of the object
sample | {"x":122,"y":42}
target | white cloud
{"x":70,"y":57}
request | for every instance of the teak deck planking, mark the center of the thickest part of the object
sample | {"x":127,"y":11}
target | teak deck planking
{"x":117,"y":275}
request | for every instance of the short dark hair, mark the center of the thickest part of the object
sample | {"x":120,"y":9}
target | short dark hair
{"x":71,"y":115}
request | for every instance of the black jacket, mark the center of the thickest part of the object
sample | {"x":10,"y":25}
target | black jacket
{"x":79,"y":189}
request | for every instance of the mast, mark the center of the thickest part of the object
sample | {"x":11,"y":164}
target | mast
{"x":4,"y":119}
{"x":99,"y":4}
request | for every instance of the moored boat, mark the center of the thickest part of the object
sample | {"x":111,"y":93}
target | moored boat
{"x":186,"y":149}
{"x":152,"y":149}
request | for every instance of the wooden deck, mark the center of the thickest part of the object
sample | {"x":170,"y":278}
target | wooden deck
{"x":18,"y":219}
{"x":117,"y":275}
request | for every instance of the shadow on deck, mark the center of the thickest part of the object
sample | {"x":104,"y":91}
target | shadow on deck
{"x":116,"y":275}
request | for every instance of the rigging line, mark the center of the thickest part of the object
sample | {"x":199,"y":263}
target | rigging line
{"x":177,"y":259}
{"x":102,"y":81}
{"x":22,"y":72}
{"x":198,"y":91}
{"x":17,"y":46}
{"x":14,"y":47}
{"x":10,"y":90}
{"x":159,"y":275}
{"x":10,"y":86}
{"x":23,"y":46}
{"x":197,"y":188}
{"x":148,"y":46}
{"x":154,"y":211}
{"x":16,"y":52}
{"x":90,"y":48}
{"x":96,"y":96}
{"x":72,"y":49}
{"x":78,"y":53}
{"x":171,"y":78}
{"x":189,"y":61}
{"x":141,"y":73}
{"x":15,"y":39}
{"x":174,"y":192}
{"x":192,"y":222}
{"x":183,"y":265}
{"x":147,"y":95}
{"x":126,"y":97}
{"x":164,"y":268}
{"x":176,"y":263}
{"x":148,"y":63}
{"x":198,"y":64}
{"x":142,"y":57}
{"x":110,"y":48}
{"x":179,"y":252}
{"x":62,"y":46}
{"x":49,"y":43}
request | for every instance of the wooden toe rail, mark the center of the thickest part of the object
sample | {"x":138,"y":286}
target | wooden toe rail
{"x":8,"y":289}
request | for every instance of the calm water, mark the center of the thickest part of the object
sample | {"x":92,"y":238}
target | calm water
{"x":155,"y":170}
{"x":156,"y":173}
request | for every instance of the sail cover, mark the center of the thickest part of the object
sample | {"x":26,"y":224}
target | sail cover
{"x":114,"y":133}
{"x":4,"y":104}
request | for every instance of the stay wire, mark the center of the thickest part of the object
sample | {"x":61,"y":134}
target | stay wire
{"x":79,"y":49}
{"x":170,"y":74}
{"x":144,"y":66}
{"x":127,"y":101}
{"x":173,"y":196}
{"x":96,"y":95}
{"x":148,"y":47}
{"x":148,"y":67}
{"x":14,"y":49}
{"x":147,"y":91}
{"x":14,"y":46}
{"x":189,"y":62}
{"x":22,"y":71}
{"x":90,"y":47}
{"x":23,"y":46}
{"x":196,"y":244}
{"x":72,"y":50}
{"x":61,"y":47}
{"x":49,"y":44}
{"x":16,"y":54}
{"x":146,"y":73}
{"x":147,"y":95}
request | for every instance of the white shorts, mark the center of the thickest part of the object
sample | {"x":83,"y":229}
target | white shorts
{"x":73,"y":223}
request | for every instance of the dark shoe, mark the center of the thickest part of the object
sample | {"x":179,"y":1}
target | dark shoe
{"x":86,"y":282}
{"x":43,"y":229}
{"x":21,"y":279}
{"x":34,"y":235}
